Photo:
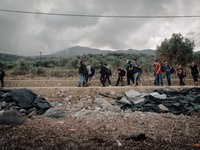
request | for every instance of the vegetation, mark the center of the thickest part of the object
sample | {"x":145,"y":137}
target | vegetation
{"x":176,"y":50}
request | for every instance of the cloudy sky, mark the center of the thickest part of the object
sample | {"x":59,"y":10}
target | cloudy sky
{"x":28,"y":34}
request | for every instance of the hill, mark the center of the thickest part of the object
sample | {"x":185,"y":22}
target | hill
{"x":80,"y":51}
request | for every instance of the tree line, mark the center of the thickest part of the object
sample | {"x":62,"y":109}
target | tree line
{"x":176,"y":50}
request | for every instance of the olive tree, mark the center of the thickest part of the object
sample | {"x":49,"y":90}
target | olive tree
{"x":176,"y":50}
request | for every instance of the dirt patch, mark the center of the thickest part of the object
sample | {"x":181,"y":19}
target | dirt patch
{"x":87,"y":128}
{"x":104,"y":131}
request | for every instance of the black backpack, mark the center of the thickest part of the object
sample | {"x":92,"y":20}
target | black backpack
{"x":172,"y":70}
{"x":93,"y":71}
{"x":123,"y":72}
{"x":109,"y":72}
{"x":2,"y":73}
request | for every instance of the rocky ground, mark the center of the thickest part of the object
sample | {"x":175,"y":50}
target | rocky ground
{"x":85,"y":118}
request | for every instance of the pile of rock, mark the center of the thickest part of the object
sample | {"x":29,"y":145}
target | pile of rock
{"x":16,"y":104}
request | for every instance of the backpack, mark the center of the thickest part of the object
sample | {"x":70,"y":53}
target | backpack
{"x":162,"y":68}
{"x":93,"y":71}
{"x":123,"y":72}
{"x":2,"y":73}
{"x":109,"y":72}
{"x":172,"y":70}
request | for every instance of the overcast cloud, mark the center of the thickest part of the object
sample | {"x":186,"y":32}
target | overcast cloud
{"x":28,"y":34}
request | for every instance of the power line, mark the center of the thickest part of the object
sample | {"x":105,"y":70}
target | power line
{"x":99,"y":16}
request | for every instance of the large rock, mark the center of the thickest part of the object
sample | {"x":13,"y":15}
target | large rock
{"x":11,"y":117}
{"x":56,"y":113}
{"x":106,"y":106}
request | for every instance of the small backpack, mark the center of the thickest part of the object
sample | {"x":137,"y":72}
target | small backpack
{"x":109,"y":72}
{"x":93,"y":71}
{"x":123,"y":72}
{"x":172,"y":70}
{"x":2,"y":73}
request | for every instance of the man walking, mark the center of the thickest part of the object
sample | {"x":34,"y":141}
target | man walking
{"x":129,"y":70}
{"x":194,"y":71}
{"x":121,"y":74}
{"x":168,"y":72}
{"x":2,"y":75}
{"x":158,"y":72}
{"x":102,"y":74}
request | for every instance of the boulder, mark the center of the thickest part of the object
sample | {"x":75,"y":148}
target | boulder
{"x":11,"y":117}
{"x":56,"y":113}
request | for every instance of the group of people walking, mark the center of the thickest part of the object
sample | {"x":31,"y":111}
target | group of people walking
{"x":166,"y":70}
{"x":133,"y":73}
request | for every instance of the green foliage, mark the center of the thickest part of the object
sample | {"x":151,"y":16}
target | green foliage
{"x":176,"y":50}
{"x":40,"y":71}
{"x":22,"y":67}
{"x":40,"y":67}
{"x":2,"y":65}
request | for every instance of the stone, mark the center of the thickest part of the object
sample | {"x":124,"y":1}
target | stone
{"x":123,"y":100}
{"x":113,"y":93}
{"x":3,"y":105}
{"x":56,"y":113}
{"x":157,"y":95}
{"x":30,"y":115}
{"x":132,"y":94}
{"x":162,"y":107}
{"x":80,"y":105}
{"x":11,"y":117}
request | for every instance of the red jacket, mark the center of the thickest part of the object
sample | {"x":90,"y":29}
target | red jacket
{"x":158,"y":69}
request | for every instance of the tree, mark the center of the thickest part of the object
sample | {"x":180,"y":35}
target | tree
{"x":177,"y":50}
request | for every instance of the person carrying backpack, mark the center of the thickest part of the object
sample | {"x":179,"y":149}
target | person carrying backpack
{"x":129,"y":70}
{"x":137,"y":70}
{"x":102,"y":74}
{"x":168,"y":71}
{"x":181,"y":74}
{"x":121,"y":74}
{"x":108,"y":73}
{"x":194,"y":71}
{"x":91,"y":72}
{"x":2,"y":75}
{"x":83,"y":74}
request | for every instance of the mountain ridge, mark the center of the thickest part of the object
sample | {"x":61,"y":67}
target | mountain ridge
{"x":80,"y":51}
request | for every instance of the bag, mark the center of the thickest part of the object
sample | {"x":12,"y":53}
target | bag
{"x":172,"y":70}
{"x":109,"y":72}
{"x":2,"y":73}
{"x":93,"y":71}
{"x":163,"y":68}
{"x":184,"y":74}
{"x":123,"y":72}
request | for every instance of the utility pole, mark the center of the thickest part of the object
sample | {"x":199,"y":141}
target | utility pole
{"x":40,"y":55}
